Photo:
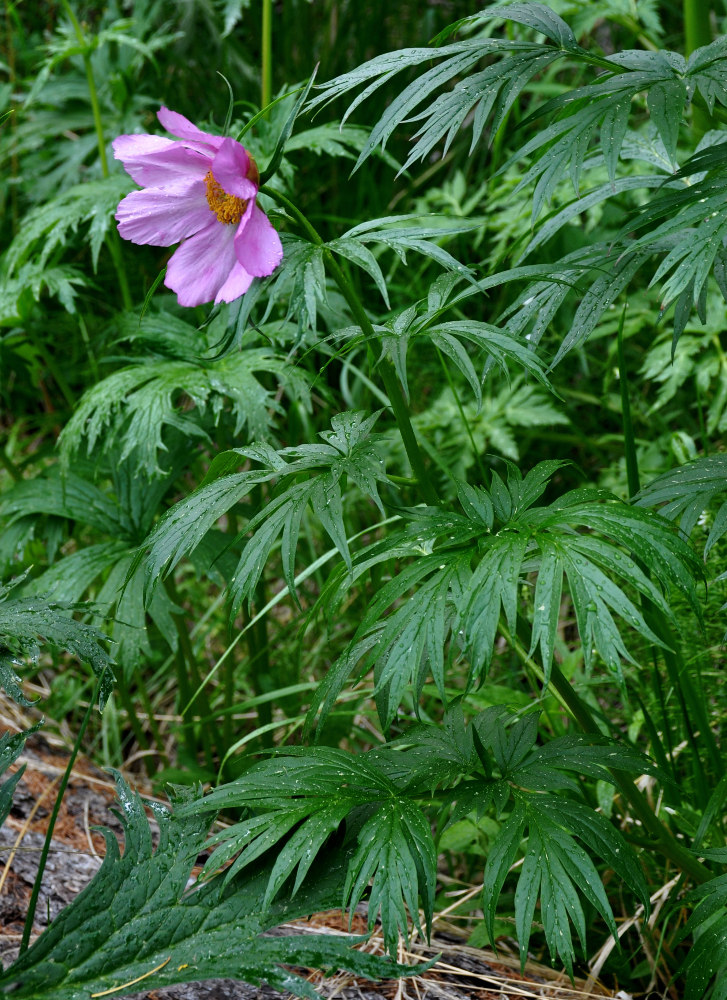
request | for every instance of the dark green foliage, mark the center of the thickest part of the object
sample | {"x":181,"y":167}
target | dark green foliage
{"x":25,"y":622}
{"x":401,"y":461}
{"x":380,"y":797}
{"x":11,"y":746}
{"x":118,"y":929}
{"x":686,"y":492}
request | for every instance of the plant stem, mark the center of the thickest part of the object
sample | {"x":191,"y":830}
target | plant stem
{"x":112,"y":240}
{"x":697,"y":33}
{"x":188,"y":677}
{"x":667,"y":844}
{"x":9,"y":466}
{"x":27,"y":929}
{"x":632,"y":468}
{"x":691,"y":706}
{"x":484,"y":479}
{"x":267,"y":54}
{"x":384,"y":366}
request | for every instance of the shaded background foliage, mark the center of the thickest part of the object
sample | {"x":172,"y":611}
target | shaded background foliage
{"x":252,"y":546}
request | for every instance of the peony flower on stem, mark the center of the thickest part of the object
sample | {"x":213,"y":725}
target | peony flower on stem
{"x":198,"y":190}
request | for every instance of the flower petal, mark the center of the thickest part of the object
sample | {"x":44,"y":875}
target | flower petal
{"x":230,"y":167}
{"x":183,"y":128}
{"x":236,"y":285}
{"x":201,"y":266}
{"x":164,"y":215}
{"x":153,"y":160}
{"x":257,"y":245}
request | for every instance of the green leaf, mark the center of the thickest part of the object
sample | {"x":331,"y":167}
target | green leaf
{"x":401,"y":233}
{"x":706,"y":72}
{"x":357,"y":253}
{"x":601,"y":837}
{"x":665,"y":102}
{"x":137,"y":919}
{"x":27,"y":622}
{"x":48,"y":228}
{"x":139,"y":402}
{"x":396,"y":854}
{"x":557,"y":870}
{"x":347,"y":452}
{"x":686,"y":492}
{"x":68,"y":496}
{"x":499,"y":861}
{"x":314,"y":790}
{"x":707,"y":926}
{"x":277,"y":156}
{"x":11,"y":746}
{"x":537,"y":16}
{"x":18,"y":294}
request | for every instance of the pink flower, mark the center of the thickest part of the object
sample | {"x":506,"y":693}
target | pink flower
{"x":199,"y":190}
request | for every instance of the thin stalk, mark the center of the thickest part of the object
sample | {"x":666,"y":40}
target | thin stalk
{"x":634,"y":485}
{"x":12,"y":124}
{"x":136,"y":726}
{"x":667,"y":844}
{"x":632,"y":467}
{"x":112,"y":240}
{"x":386,"y":369}
{"x":281,"y":595}
{"x":698,"y":32}
{"x":188,"y":676}
{"x":258,"y":644}
{"x":27,"y":929}
{"x":58,"y":376}
{"x":463,"y":417}
{"x":151,"y":721}
{"x":9,"y":466}
{"x":89,"y":349}
{"x":267,"y":53}
{"x":692,"y":708}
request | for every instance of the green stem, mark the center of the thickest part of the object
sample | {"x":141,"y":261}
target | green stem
{"x":384,"y":366}
{"x":697,"y":33}
{"x":12,"y":123}
{"x":27,"y":929}
{"x":267,"y":54}
{"x":189,"y":678}
{"x":484,"y":480}
{"x":632,"y":468}
{"x":9,"y":466}
{"x":692,"y":708}
{"x":135,"y":723}
{"x":667,"y":844}
{"x":112,"y":240}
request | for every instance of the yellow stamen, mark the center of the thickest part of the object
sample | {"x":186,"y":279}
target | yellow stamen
{"x":226,"y":207}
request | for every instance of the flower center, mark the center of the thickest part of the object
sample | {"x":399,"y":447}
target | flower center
{"x":226,"y":207}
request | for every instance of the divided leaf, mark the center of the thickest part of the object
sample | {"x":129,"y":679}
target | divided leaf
{"x":464,"y":574}
{"x":686,"y":492}
{"x":28,"y":622}
{"x":311,"y":792}
{"x":139,"y":920}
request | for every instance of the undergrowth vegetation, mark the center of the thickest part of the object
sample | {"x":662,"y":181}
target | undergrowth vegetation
{"x":402,"y":571}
